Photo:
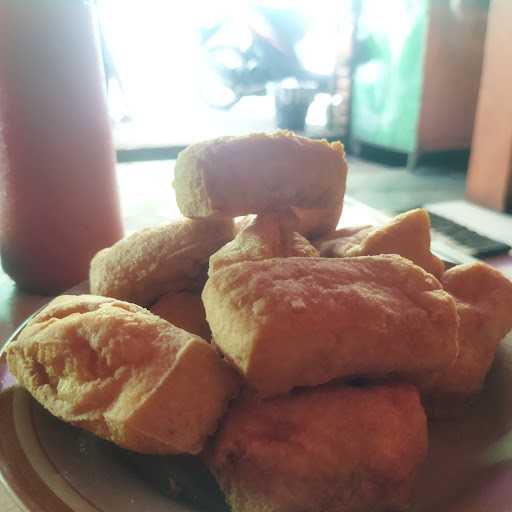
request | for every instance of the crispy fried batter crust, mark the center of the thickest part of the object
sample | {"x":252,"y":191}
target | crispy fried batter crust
{"x":287,"y":322}
{"x":146,"y":265}
{"x":329,"y":449}
{"x":484,"y":303}
{"x":341,"y":242}
{"x":122,"y":373}
{"x":318,"y":222}
{"x":259,"y":173}
{"x":407,"y":235}
{"x":184,"y":310}
{"x":269,"y":235}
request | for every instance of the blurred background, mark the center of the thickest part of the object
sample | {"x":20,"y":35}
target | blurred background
{"x":396,"y":81}
{"x":401,"y":75}
{"x":183,"y":72}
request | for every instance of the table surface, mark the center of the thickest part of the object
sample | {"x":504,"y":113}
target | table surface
{"x":147,"y":199}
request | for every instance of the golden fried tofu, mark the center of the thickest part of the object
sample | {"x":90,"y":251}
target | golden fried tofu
{"x":259,"y":173}
{"x":484,"y":304}
{"x":342,"y":242}
{"x":327,"y":449}
{"x":184,"y":310}
{"x":315,"y":223}
{"x":117,"y":370}
{"x":264,"y":236}
{"x":154,"y":261}
{"x":407,"y":234}
{"x":288,"y":322}
{"x":311,"y":223}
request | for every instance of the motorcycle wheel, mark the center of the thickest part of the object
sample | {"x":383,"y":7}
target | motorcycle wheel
{"x":217,"y":83}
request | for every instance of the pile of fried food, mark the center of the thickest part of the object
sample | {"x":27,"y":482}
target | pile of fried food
{"x":296,"y":359}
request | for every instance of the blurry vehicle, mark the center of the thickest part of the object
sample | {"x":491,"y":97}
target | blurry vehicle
{"x":243,"y":55}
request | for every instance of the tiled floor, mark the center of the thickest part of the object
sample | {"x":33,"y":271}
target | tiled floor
{"x":393,"y":188}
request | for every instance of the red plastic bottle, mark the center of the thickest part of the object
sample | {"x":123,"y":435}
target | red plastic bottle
{"x":58,"y":195}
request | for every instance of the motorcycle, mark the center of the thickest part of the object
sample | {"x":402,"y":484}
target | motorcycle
{"x":237,"y":68}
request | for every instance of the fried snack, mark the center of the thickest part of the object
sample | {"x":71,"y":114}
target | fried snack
{"x":259,"y":173}
{"x":329,"y":449}
{"x":184,"y":310}
{"x":264,"y":236}
{"x":117,"y":370}
{"x":342,"y":242}
{"x":288,"y":322}
{"x":319,"y":222}
{"x":311,"y":224}
{"x":407,"y":234}
{"x":484,"y":303}
{"x":154,"y":261}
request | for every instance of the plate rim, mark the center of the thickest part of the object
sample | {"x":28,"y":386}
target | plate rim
{"x":14,"y":395}
{"x":17,"y":475}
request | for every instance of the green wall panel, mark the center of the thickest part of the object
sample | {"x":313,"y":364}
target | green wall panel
{"x":387,"y":87}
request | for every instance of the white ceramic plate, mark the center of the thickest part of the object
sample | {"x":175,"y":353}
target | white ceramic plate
{"x":51,"y":467}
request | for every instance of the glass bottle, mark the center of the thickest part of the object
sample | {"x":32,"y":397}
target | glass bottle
{"x":58,"y":196}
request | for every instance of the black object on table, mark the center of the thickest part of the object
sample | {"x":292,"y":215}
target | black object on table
{"x":466,"y":240}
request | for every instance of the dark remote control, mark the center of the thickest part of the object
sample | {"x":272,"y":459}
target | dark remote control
{"x":465,"y":240}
